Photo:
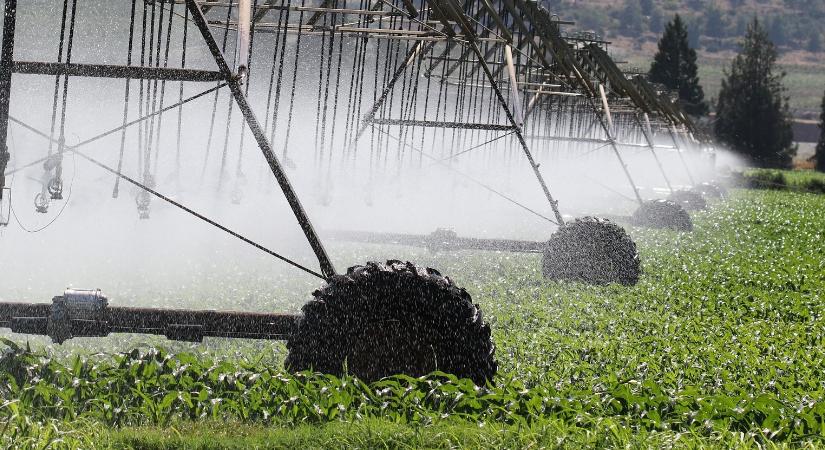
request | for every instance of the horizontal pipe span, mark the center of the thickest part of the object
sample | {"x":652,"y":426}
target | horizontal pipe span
{"x":230,"y":322}
{"x":377,"y":33}
{"x":596,"y":141}
{"x":177,"y":324}
{"x":8,"y":311}
{"x":363,"y":12}
{"x":436,"y":241}
{"x":112,"y":71}
{"x":439,"y":124}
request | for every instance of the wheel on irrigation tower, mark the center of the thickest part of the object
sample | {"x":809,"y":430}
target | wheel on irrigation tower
{"x":395,"y":318}
{"x":592,"y":250}
{"x":711,"y":190}
{"x":689,"y":200}
{"x":662,"y":214}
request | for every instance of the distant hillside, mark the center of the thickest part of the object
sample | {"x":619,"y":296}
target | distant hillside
{"x":716,"y":27}
{"x":794,"y":25}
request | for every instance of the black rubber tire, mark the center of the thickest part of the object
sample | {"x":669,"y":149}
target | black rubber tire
{"x":690,"y":200}
{"x":711,"y":190}
{"x":663,"y":214}
{"x":592,"y":250}
{"x":395,"y":318}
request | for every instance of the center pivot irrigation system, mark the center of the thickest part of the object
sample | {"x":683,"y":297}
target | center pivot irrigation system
{"x":414,"y":79}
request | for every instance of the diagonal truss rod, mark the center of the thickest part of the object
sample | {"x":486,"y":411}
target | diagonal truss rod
{"x":450,"y":9}
{"x":249,"y":116}
{"x":554,"y":204}
{"x":600,"y":116}
{"x":646,"y":132}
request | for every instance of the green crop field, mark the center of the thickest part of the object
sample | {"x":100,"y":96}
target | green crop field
{"x":721,"y":344}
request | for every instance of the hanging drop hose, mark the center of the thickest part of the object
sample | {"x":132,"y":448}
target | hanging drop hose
{"x":116,"y":189}
{"x":143,"y":199}
{"x":294,"y":81}
{"x":199,"y":216}
{"x":163,"y":82}
{"x":475,"y":181}
{"x":326,"y":180}
{"x":215,"y":100}
{"x":322,"y":61}
{"x":56,"y":184}
{"x":140,"y":130}
{"x":224,"y":153}
{"x":273,"y":69}
{"x":237,"y":193}
{"x":97,"y":137}
{"x":42,"y":200}
{"x":281,"y":59}
{"x":351,"y":96}
{"x":180,"y":98}
{"x":335,"y":102}
{"x":149,"y":190}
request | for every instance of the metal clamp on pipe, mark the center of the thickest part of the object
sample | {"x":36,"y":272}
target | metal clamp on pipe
{"x":77,"y":313}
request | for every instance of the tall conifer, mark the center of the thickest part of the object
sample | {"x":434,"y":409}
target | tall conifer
{"x":675,"y":67}
{"x":753,"y":116}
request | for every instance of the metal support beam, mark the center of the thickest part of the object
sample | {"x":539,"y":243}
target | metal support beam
{"x":440,"y":124}
{"x":9,"y":22}
{"x":113,"y":71}
{"x":260,"y":137}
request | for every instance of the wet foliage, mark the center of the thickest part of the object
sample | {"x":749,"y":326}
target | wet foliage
{"x":723,"y":333}
{"x":799,"y":181}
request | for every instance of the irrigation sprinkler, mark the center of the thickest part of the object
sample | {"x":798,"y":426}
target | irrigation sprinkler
{"x":378,"y":319}
{"x":668,"y":213}
{"x":672,"y":120}
{"x":413,"y":83}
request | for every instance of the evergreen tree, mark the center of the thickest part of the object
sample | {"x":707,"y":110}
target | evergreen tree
{"x":675,"y":67}
{"x":752,"y":113}
{"x":820,"y":146}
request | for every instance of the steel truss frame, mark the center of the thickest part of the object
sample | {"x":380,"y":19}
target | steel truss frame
{"x":550,"y":67}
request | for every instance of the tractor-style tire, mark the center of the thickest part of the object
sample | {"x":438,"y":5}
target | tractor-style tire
{"x":662,"y":214}
{"x":690,"y":200}
{"x":592,"y":250}
{"x":711,"y":190}
{"x":387,"y":319}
